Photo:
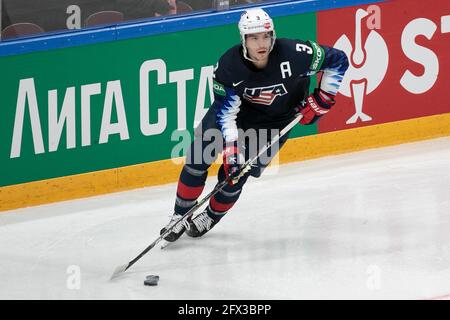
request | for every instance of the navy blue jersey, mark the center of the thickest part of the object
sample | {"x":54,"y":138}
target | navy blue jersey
{"x":247,"y":97}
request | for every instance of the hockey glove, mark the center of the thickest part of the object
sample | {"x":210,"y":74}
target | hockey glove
{"x":232,"y":160}
{"x":315,"y":106}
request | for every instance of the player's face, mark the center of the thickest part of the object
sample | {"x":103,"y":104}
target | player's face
{"x":258,"y":45}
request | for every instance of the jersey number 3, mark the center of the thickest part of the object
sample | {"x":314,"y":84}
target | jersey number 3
{"x":303,"y":47}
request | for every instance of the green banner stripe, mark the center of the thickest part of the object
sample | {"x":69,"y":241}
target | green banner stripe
{"x":113,"y":104}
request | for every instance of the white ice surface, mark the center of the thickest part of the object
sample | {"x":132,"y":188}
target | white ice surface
{"x":368,"y":225}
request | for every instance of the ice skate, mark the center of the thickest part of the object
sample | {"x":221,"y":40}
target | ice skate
{"x":201,"y":224}
{"x":177,"y":231}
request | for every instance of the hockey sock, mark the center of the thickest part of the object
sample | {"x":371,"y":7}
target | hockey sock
{"x":190,"y":187}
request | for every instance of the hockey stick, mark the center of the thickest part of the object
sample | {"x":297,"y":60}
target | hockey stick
{"x":244,"y":168}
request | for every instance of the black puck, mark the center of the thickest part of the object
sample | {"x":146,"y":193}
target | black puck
{"x":151,"y":280}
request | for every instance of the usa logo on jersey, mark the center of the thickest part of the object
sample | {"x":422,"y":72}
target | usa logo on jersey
{"x":264,"y":95}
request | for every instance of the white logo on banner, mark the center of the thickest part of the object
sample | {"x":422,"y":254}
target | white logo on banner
{"x":368,"y":64}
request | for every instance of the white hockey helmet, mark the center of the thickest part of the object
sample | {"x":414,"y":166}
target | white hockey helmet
{"x":255,"y":20}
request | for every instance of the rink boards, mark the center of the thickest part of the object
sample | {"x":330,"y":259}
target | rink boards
{"x":108,"y":116}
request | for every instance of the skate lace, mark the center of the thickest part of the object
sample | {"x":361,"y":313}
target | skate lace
{"x":179,"y":226}
{"x":203,"y":222}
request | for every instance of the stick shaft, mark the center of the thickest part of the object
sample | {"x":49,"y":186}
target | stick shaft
{"x":217,"y":188}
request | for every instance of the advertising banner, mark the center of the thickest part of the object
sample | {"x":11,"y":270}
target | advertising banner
{"x":95,"y":107}
{"x":399,"y":61}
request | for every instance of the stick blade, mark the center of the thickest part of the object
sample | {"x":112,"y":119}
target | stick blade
{"x":165,"y":244}
{"x":119,"y":270}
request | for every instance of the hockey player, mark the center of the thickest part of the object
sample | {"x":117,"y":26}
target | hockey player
{"x":260,"y":84}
